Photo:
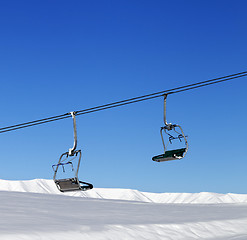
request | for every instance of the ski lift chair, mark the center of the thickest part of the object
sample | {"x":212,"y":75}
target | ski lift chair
{"x":175,"y":154}
{"x":73,"y":155}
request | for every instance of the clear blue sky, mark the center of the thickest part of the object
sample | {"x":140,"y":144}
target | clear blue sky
{"x":60,"y":56}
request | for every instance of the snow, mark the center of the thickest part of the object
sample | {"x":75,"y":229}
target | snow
{"x":35,"y":209}
{"x":48,"y":187}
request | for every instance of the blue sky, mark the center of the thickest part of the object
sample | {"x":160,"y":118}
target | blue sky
{"x":60,"y":56}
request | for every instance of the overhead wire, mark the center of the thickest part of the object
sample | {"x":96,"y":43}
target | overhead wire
{"x":207,"y":84}
{"x":161,"y":93}
{"x":125,"y":102}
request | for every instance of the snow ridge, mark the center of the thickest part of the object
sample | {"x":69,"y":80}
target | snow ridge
{"x":48,"y":187}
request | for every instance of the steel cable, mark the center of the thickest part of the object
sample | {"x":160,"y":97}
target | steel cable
{"x":125,"y":102}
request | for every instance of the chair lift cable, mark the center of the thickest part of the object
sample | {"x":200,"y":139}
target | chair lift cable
{"x":125,"y":102}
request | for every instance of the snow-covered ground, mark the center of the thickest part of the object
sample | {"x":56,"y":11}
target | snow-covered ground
{"x":37,"y":210}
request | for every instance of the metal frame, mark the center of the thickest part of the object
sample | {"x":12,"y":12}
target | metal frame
{"x":70,"y":153}
{"x":71,"y":150}
{"x":169,"y":127}
{"x":61,"y":160}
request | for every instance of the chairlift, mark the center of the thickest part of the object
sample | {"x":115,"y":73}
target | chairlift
{"x":173,"y":132}
{"x":66,"y":160}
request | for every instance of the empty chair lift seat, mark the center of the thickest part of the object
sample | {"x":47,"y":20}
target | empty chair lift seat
{"x":72,"y":184}
{"x":170,"y":155}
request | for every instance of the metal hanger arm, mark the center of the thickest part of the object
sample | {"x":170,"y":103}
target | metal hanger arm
{"x":71,"y":150}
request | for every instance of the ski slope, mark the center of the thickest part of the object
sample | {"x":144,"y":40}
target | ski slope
{"x":48,"y":187}
{"x":37,"y":210}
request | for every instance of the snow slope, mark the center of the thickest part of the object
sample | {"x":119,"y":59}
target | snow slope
{"x":27,"y":213}
{"x":48,"y":186}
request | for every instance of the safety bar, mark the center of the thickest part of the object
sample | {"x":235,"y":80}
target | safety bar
{"x":60,"y":159}
{"x":180,"y":135}
{"x":62,"y":164}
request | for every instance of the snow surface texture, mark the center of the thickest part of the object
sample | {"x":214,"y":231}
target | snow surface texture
{"x":48,"y":186}
{"x":29,"y":214}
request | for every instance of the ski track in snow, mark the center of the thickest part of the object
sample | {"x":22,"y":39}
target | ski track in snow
{"x":29,"y":214}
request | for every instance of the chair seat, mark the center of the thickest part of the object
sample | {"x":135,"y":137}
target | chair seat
{"x":69,"y":184}
{"x":72,"y":184}
{"x":170,"y":155}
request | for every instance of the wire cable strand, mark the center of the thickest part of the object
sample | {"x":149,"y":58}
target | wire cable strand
{"x":242,"y":74}
{"x":125,"y":102}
